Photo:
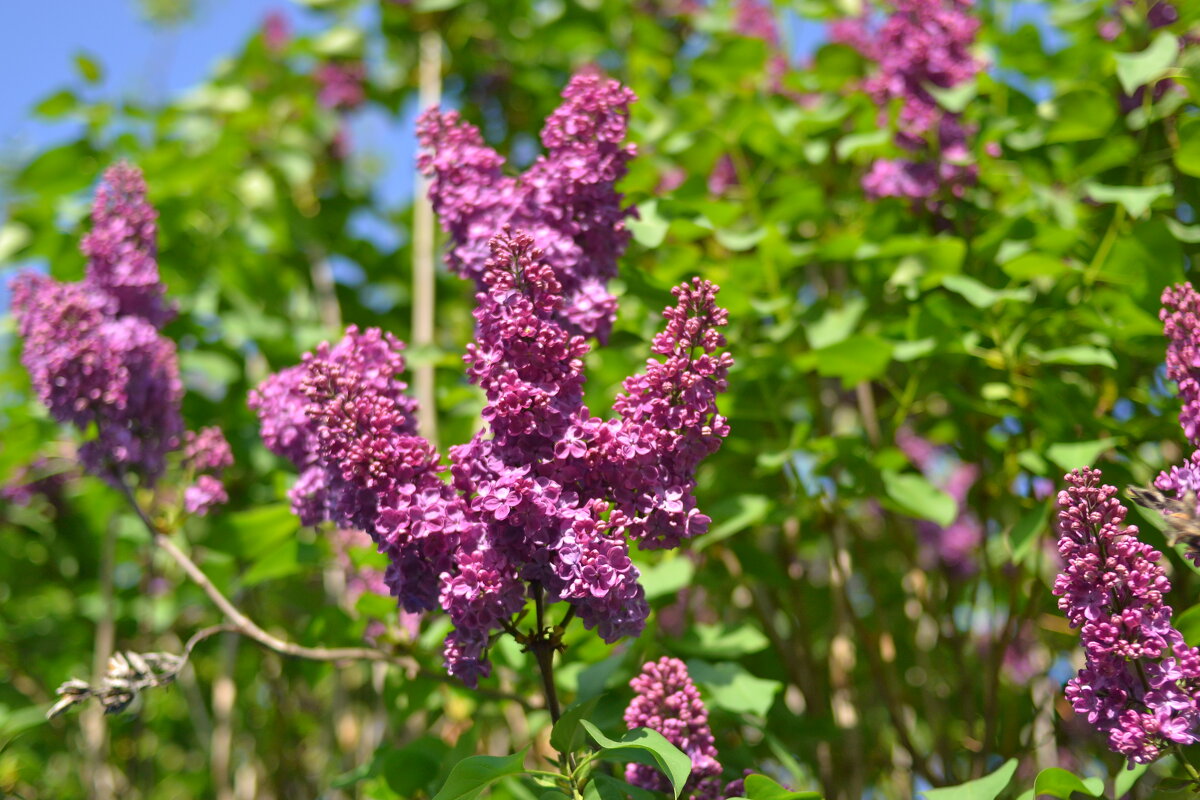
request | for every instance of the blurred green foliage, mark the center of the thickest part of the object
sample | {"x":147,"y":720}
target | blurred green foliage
{"x":1017,"y":328}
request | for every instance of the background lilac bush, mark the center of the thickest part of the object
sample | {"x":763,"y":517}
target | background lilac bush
{"x":942,"y":232}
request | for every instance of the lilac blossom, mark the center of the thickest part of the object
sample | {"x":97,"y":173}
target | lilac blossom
{"x":1180,"y":316}
{"x":566,"y":200}
{"x":95,"y":355}
{"x":542,"y":500}
{"x":666,"y":700}
{"x":922,"y":44}
{"x":1140,"y":680}
{"x":206,"y":455}
{"x":276,"y":32}
{"x":956,"y":545}
{"x":91,"y":367}
{"x":122,"y":247}
{"x":342,"y":84}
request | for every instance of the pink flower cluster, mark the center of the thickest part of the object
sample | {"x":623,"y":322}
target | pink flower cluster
{"x":342,"y":84}
{"x":667,"y":701}
{"x":1140,"y":681}
{"x":566,"y":200}
{"x":921,"y":44}
{"x":95,"y":355}
{"x":92,"y":348}
{"x":956,"y":546}
{"x":542,"y":498}
{"x":206,"y":455}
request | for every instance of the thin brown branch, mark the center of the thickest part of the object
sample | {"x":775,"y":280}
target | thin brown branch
{"x":244,"y":626}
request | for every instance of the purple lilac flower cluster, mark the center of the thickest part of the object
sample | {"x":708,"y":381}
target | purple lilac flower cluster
{"x":1140,"y":682}
{"x":921,"y":44}
{"x":566,"y":200}
{"x":92,"y":348}
{"x":955,"y":546}
{"x":206,"y":455}
{"x":95,"y":355}
{"x":667,"y":701}
{"x":342,"y":84}
{"x":543,"y":497}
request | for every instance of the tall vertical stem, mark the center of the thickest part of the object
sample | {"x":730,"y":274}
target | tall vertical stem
{"x":423,"y":300}
{"x":99,"y":774}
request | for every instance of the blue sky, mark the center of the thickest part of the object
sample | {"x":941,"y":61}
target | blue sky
{"x":41,"y":38}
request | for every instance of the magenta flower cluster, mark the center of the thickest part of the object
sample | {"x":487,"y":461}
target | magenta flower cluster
{"x":666,"y":700}
{"x":1140,"y":682}
{"x":205,"y":456}
{"x":954,"y":547}
{"x":341,"y":84}
{"x":921,"y":44}
{"x":92,"y":348}
{"x":544,"y":498}
{"x":95,"y":355}
{"x":566,"y":200}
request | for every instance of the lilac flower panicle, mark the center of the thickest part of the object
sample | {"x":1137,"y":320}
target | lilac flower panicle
{"x":667,"y":701}
{"x":920,"y":44}
{"x":96,"y":358}
{"x":955,"y":546}
{"x":542,"y":499}
{"x":1180,"y":316}
{"x":342,"y":84}
{"x":122,"y":247}
{"x":1140,"y":681}
{"x":566,"y":200}
{"x":669,"y":421}
{"x":206,"y":454}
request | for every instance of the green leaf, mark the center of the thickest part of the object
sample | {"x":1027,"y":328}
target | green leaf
{"x":260,"y":529}
{"x":1073,"y":455}
{"x":1187,"y":156}
{"x":673,"y":762}
{"x":1136,"y":199}
{"x":667,"y":577}
{"x":760,"y":787}
{"x":723,"y":641}
{"x":1140,"y":69}
{"x":919,"y":498}
{"x":1080,"y":115}
{"x":472,"y":775}
{"x":985,"y":788}
{"x":89,"y":68}
{"x":606,"y":787}
{"x":339,"y":41}
{"x":57,"y":105}
{"x":1188,"y":624}
{"x":738,"y":241}
{"x":1058,"y":782}
{"x":836,"y":324}
{"x":1026,"y":531}
{"x":736,"y":515}
{"x":280,"y":562}
{"x":734,"y":689}
{"x":13,"y":237}
{"x":1126,"y":778}
{"x":650,"y":228}
{"x":955,"y":99}
{"x":1080,"y":354}
{"x":567,"y":736}
{"x":848,"y":145}
{"x":855,"y":359}
{"x":981,"y":295}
